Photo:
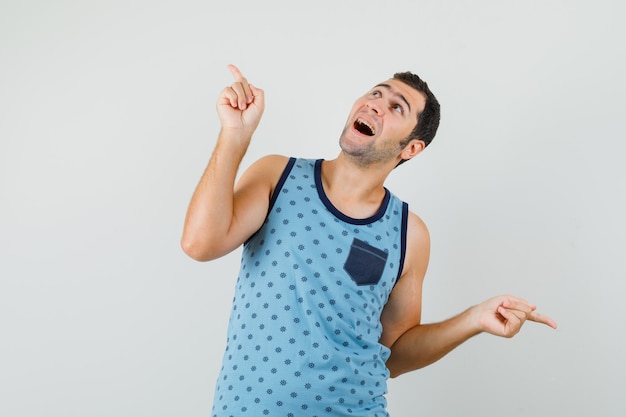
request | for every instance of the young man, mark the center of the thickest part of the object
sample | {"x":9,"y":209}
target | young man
{"x":328,"y":298}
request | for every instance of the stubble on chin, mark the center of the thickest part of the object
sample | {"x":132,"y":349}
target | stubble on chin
{"x":365,"y":155}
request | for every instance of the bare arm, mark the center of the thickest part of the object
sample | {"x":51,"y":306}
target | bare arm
{"x":415,"y":345}
{"x":425,"y":344}
{"x":221,"y":216}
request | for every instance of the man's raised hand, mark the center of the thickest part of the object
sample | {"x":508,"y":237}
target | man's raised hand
{"x":240,"y":105}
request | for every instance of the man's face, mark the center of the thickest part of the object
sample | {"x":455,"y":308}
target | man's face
{"x":380,"y":121}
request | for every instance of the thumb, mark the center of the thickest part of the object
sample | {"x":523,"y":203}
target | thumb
{"x":258,"y":95}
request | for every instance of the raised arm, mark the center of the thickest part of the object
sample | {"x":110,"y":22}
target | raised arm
{"x":221,"y":216}
{"x":414,"y":345}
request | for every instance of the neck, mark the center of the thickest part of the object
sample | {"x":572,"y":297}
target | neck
{"x":356,"y":190}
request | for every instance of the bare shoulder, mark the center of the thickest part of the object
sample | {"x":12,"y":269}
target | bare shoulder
{"x":273,"y":159}
{"x":264,"y":171}
{"x":269,"y":165}
{"x":418,"y":237}
{"x":417,"y":250}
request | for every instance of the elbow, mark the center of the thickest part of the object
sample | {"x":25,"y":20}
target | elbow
{"x":394,"y":371}
{"x":196,"y":250}
{"x":397,"y":366}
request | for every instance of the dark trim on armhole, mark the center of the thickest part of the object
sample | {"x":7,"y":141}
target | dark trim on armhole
{"x":403,"y":232}
{"x":280,"y":183}
{"x":279,"y":186}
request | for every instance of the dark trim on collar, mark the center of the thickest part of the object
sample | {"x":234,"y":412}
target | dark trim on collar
{"x":322,"y":194}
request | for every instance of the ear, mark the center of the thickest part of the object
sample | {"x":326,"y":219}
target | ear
{"x":412,"y":149}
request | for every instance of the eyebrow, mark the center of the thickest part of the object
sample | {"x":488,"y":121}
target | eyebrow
{"x":387,"y":86}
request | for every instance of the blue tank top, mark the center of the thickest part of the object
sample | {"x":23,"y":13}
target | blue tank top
{"x":305,"y":322}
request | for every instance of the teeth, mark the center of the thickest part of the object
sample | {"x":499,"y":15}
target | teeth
{"x":366,"y":124}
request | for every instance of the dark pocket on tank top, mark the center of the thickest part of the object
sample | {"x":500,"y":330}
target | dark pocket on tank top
{"x":365,"y":263}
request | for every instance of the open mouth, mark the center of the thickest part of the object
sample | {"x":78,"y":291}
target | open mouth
{"x":364,"y":127}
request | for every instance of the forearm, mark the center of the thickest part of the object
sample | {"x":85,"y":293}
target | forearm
{"x":210,"y":212}
{"x":425,"y":344}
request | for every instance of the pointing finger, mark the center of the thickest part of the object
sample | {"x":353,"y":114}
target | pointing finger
{"x":237,"y":75}
{"x":246,"y":93}
{"x":543,"y":319}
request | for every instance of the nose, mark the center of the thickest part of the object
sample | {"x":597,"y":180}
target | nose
{"x":375,"y":106}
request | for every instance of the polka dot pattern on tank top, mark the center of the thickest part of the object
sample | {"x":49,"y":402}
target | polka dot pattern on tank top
{"x":305,"y":320}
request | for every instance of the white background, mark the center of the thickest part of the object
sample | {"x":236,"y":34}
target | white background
{"x":107,"y":120}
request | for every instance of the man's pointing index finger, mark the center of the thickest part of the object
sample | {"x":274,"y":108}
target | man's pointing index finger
{"x":236,"y":73}
{"x":241,"y":87}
